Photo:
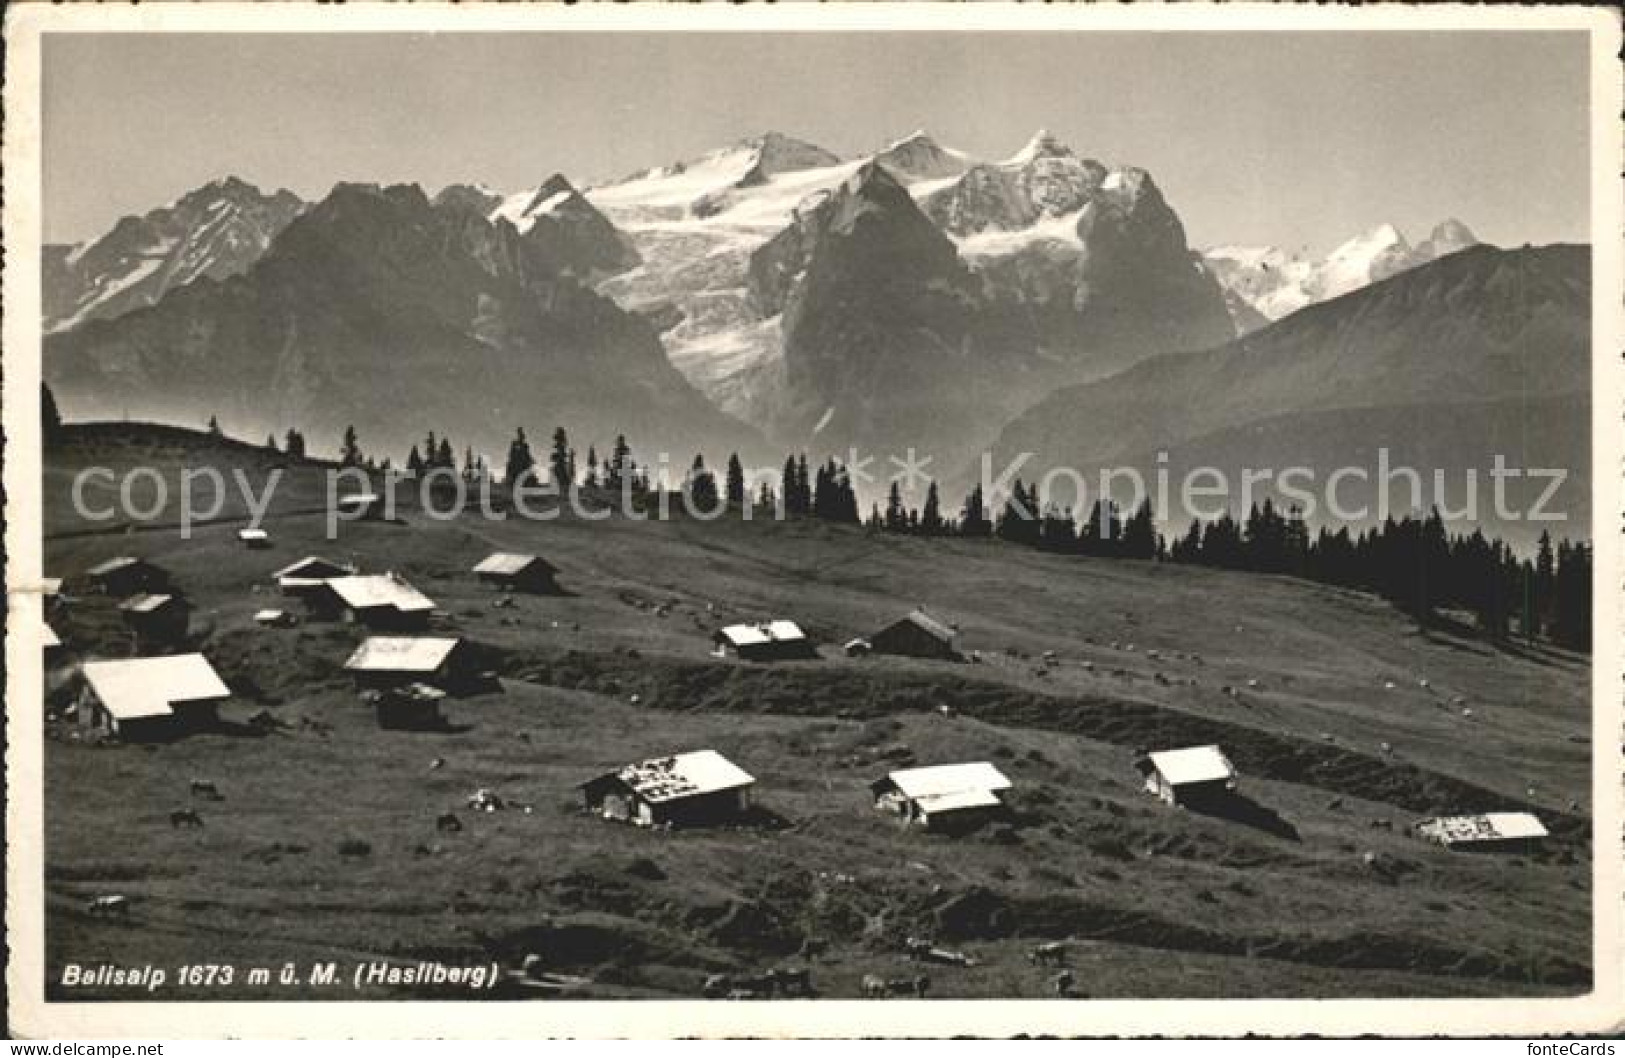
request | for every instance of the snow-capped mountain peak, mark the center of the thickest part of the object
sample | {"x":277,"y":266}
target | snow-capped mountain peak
{"x":217,"y":230}
{"x":1042,"y":145}
{"x":918,"y":157}
{"x":1447,"y":237}
{"x":1272,"y":283}
{"x":523,"y":209}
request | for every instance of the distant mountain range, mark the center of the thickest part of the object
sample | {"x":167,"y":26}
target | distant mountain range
{"x":378,"y":308}
{"x":772,"y":295}
{"x":914,"y":294}
{"x":1264,"y":283}
{"x":1481,"y":352}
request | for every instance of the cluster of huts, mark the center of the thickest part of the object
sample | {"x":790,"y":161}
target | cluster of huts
{"x":406,"y":674}
{"x":160,"y":695}
{"x":917,"y":634}
{"x":705,"y":788}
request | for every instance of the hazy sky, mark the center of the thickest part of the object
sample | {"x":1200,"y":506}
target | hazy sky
{"x":1293,"y":139}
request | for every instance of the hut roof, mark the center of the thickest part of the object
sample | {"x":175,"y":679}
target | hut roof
{"x":146,"y":687}
{"x":930,"y":625}
{"x":113,"y":565}
{"x":370,"y":592}
{"x":401,"y":654}
{"x":308,"y":567}
{"x":147,"y":603}
{"x":693,"y":774}
{"x":511,"y":564}
{"x":947,"y":780}
{"x":1193,"y":764}
{"x":768,"y":632}
{"x":1491,"y":826}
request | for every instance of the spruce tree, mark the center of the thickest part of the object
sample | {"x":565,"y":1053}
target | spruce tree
{"x":803,"y":484}
{"x":787,"y":484}
{"x":50,"y":417}
{"x":896,"y":517}
{"x":350,"y":450}
{"x":1140,"y":533}
{"x":931,"y":516}
{"x":1543,"y":584}
{"x":521,"y":464}
{"x":702,"y":486}
{"x":619,"y":468}
{"x":736,"y":481}
{"x":973,"y":519}
{"x":414,"y":461}
{"x":847,"y":498}
{"x":558,"y":460}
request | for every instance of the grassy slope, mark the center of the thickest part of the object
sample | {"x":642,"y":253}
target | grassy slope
{"x":1163,"y":902}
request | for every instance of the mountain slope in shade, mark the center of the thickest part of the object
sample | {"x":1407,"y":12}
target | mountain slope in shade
{"x":379,"y":309}
{"x":216,"y":231}
{"x":1541,"y":432}
{"x":1479,"y":327}
{"x":890,"y":341}
{"x":1265,"y":283}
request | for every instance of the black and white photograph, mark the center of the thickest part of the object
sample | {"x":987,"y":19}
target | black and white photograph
{"x":515,"y":514}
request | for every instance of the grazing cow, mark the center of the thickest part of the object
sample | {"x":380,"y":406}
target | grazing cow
{"x":902,"y":986}
{"x":716,"y":986}
{"x":205,"y":789}
{"x":874,"y":987}
{"x":813,"y":947}
{"x":447,"y":822}
{"x":1052,"y":953}
{"x":485,"y":800}
{"x":111,"y":904}
{"x":185,"y":817}
{"x":790,"y":981}
{"x":437,"y":763}
{"x":265,"y":721}
{"x":1062,"y":983}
